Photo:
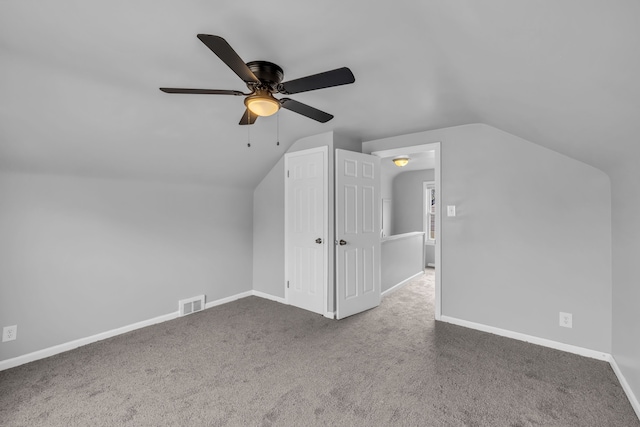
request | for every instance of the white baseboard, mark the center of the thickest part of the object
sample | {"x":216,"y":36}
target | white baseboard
{"x":401,"y":284}
{"x":51,"y":351}
{"x":581,"y":351}
{"x":61,"y":348}
{"x":327,"y":314}
{"x":228,"y":299}
{"x":268,"y":296}
{"x":635,"y":404}
{"x":558,"y":346}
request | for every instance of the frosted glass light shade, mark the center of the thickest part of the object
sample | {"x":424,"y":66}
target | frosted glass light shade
{"x":262,"y":105}
{"x":401,"y":161}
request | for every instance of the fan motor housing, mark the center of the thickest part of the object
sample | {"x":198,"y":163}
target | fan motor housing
{"x":267,"y":72}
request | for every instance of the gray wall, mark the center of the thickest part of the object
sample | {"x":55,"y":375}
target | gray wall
{"x":83,"y":256}
{"x":532,"y":236}
{"x":626,"y":284}
{"x":407,"y":201}
{"x":268,"y":233}
{"x":386,"y":184}
{"x":408,"y":211}
{"x":429,"y":255}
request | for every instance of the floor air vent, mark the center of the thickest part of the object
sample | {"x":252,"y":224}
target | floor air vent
{"x":191,"y":305}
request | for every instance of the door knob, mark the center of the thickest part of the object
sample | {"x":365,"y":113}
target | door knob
{"x":342,"y":242}
{"x":318,"y":240}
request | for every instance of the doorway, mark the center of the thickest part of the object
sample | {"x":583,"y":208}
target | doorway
{"x":417,"y":151}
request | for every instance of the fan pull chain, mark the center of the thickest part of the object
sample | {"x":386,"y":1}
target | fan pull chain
{"x":248,"y":128}
{"x":278,"y":129}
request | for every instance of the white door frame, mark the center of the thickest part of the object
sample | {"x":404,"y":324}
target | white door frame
{"x":436,"y":148}
{"x":325,"y":238}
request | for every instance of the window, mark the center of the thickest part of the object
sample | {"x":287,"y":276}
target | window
{"x":430,"y":212}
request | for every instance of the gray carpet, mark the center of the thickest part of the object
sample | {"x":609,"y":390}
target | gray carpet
{"x":255,"y":362}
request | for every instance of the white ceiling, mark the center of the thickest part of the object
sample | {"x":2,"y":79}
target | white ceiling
{"x":79,"y":80}
{"x":417,"y":161}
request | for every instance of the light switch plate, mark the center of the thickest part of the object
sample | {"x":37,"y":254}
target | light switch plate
{"x":451,"y":210}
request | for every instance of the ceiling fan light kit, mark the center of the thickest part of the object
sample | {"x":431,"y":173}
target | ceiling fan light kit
{"x":262,"y":104}
{"x":263,"y":79}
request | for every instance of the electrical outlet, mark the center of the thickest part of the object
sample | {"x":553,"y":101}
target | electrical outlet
{"x":9,"y":333}
{"x":566,"y":320}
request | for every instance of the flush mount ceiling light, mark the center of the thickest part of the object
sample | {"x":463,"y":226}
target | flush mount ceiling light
{"x":262,"y":104}
{"x":401,"y":161}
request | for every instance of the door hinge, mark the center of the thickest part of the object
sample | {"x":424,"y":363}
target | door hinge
{"x":287,"y":174}
{"x":287,"y":284}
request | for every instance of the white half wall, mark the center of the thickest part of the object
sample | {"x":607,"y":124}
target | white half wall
{"x":532,"y":235}
{"x":402,"y":258}
{"x":82,"y":256}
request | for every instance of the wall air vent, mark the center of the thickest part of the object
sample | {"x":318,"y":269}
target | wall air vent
{"x":191,"y":305}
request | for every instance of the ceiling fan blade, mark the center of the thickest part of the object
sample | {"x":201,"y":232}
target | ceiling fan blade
{"x":202,"y":91}
{"x":225,"y":52}
{"x":337,"y":77}
{"x":248,"y":119}
{"x":305,"y":110}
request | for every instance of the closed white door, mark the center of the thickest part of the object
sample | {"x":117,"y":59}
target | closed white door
{"x":306,"y":227}
{"x":358,"y":229}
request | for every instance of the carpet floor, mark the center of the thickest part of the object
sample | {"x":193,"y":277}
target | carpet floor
{"x":255,"y":362}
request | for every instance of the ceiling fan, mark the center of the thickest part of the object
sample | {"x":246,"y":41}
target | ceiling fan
{"x":263,"y":79}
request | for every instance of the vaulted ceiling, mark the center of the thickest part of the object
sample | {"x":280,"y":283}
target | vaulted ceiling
{"x":79,"y":80}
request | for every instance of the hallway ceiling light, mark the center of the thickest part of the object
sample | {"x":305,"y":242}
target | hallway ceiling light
{"x":401,"y":161}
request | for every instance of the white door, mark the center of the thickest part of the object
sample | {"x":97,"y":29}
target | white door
{"x":357,"y":232}
{"x":306,"y":228}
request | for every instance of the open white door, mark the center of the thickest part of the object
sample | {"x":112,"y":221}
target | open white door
{"x":358,"y":228}
{"x":306,"y":229}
